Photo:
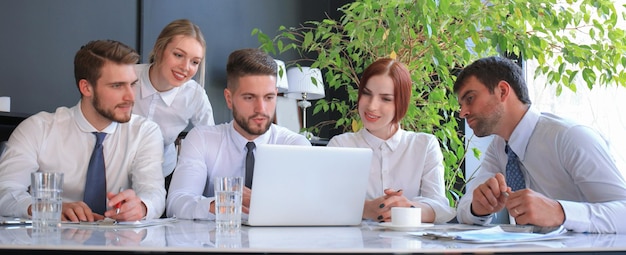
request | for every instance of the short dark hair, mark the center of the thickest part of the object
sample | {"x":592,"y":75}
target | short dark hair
{"x":246,"y":62}
{"x":490,"y":71}
{"x":91,"y":57}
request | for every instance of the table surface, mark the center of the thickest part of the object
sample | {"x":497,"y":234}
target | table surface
{"x":201,"y":236}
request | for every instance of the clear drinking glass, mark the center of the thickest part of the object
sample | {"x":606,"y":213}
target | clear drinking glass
{"x":46,"y":189}
{"x":228,"y":195}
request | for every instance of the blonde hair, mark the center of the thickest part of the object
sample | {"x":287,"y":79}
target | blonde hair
{"x":179,"y":27}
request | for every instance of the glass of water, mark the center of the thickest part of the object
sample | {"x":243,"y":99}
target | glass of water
{"x":46,"y":189}
{"x":228,"y":195}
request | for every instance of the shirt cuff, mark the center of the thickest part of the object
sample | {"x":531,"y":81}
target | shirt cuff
{"x":576,"y":216}
{"x":23,"y":205}
{"x":203,"y":209}
{"x":480,"y":220}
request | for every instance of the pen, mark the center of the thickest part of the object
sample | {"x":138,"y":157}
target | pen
{"x":118,"y":206}
{"x":505,"y":194}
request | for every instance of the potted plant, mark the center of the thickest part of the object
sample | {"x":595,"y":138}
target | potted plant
{"x":435,"y":38}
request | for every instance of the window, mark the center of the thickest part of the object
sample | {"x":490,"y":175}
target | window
{"x":600,"y":107}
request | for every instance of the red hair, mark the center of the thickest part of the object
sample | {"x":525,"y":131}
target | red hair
{"x":401,"y":78}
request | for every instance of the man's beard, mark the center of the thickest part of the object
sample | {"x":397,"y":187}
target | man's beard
{"x":109,"y":114}
{"x":244,"y":124}
{"x":485,"y":125}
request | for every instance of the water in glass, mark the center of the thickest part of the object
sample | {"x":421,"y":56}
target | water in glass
{"x":228,"y":209}
{"x":46,"y":209}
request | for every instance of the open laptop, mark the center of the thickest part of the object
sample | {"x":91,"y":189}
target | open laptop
{"x":308,"y":185}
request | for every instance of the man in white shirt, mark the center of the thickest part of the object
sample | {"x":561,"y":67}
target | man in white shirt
{"x":63,"y":141}
{"x":220,"y":150}
{"x":568,"y":175}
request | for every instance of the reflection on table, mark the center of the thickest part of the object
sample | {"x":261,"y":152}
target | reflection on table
{"x":151,"y":236}
{"x":201,"y":236}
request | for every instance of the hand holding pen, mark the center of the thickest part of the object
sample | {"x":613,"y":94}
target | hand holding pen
{"x":115,"y":202}
{"x":125,"y":206}
{"x":391,"y":192}
{"x":379,"y":209}
{"x":490,"y":196}
{"x":118,"y":206}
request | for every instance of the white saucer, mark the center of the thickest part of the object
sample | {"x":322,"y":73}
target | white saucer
{"x":389,"y":225}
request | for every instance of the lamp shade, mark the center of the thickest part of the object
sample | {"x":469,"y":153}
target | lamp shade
{"x":301,"y":82}
{"x":281,"y":77}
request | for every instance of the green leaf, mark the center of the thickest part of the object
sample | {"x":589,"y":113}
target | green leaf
{"x":308,"y":39}
{"x":589,"y":76}
{"x":436,"y":38}
{"x":477,"y":153}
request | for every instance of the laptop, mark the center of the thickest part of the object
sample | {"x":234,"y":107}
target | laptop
{"x":308,"y":185}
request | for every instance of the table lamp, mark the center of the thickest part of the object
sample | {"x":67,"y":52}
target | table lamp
{"x":281,"y":77}
{"x":305,"y":84}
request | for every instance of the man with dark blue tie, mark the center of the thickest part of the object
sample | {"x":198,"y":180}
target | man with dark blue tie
{"x":545,"y":170}
{"x":111,"y":159}
{"x":228,"y":149}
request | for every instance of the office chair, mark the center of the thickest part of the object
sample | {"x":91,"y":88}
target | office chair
{"x":3,"y":146}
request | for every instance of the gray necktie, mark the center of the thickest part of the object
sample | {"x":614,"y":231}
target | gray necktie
{"x":249,"y":163}
{"x":514,"y":175}
{"x":95,"y":186}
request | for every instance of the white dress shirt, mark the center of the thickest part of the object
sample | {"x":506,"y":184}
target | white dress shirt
{"x":173,"y":110}
{"x":409,"y":161}
{"x":210,"y":151}
{"x":63,"y":142}
{"x":564,"y":161}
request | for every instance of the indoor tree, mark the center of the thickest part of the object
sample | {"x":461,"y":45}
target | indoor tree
{"x":435,"y":38}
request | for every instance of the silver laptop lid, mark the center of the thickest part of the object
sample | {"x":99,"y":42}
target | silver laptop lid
{"x":308,"y":185}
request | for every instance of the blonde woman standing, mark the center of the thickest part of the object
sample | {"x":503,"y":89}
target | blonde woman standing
{"x":166,"y":92}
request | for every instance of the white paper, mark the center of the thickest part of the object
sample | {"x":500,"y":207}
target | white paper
{"x":108,"y":223}
{"x":495,"y":235}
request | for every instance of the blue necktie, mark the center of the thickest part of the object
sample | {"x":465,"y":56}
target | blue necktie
{"x":95,"y":186}
{"x":249,"y":163}
{"x":514,"y":175}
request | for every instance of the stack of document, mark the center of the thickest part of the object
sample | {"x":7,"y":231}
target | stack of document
{"x":14,"y":221}
{"x":110,"y":223}
{"x":495,"y":235}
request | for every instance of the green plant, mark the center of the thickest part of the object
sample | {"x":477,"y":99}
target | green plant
{"x":435,"y":38}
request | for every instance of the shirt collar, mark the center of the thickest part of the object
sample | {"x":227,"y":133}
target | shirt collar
{"x":147,"y":90}
{"x":241,"y":141}
{"x":374,"y":142}
{"x":86,"y":127}
{"x":168,"y":96}
{"x":522,"y":132}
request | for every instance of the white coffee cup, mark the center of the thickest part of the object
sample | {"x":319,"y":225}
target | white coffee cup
{"x":406,"y":216}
